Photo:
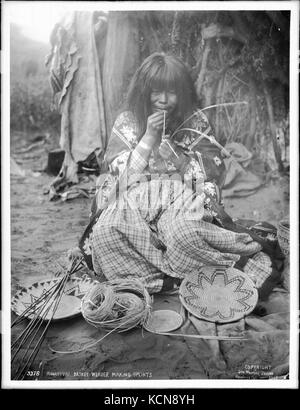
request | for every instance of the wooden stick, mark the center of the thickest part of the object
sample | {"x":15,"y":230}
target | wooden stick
{"x":35,"y":328}
{"x":42,"y":297}
{"x":164,"y":137}
{"x":40,"y":341}
{"x":24,"y":335}
{"x":207,"y":108}
{"x":33,"y":306}
{"x":37,"y":314}
{"x":171,"y":148}
{"x":36,"y":323}
{"x":276,"y":147}
{"x":210,"y":138}
{"x":213,"y":337}
{"x":39,"y":318}
{"x":164,"y":125}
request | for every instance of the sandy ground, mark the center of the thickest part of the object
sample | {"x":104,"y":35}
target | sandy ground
{"x":42,"y":232}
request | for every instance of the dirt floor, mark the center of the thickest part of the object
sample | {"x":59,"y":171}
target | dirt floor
{"x":42,"y":232}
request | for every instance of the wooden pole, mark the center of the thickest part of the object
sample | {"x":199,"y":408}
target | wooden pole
{"x":253,"y":104}
{"x":276,"y":147}
{"x":120,"y":61}
{"x":201,"y":76}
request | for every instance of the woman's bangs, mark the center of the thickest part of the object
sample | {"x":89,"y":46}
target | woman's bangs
{"x":165,"y":78}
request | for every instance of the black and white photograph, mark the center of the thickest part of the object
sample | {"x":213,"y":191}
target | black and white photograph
{"x":149,"y":177}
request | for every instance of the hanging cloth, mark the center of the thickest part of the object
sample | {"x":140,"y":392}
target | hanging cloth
{"x":75,"y":76}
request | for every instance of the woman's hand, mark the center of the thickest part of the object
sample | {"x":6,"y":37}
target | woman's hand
{"x":74,"y":253}
{"x":155,"y":124}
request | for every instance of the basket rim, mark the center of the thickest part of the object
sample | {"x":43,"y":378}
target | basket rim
{"x":282,"y":224}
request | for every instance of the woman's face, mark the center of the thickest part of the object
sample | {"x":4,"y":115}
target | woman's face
{"x":163,"y":100}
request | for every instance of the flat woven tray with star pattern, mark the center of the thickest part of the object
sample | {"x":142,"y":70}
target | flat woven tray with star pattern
{"x":218,"y":294}
{"x":69,"y":305}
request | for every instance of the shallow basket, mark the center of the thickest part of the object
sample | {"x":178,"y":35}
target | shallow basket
{"x":69,"y":305}
{"x":283,"y":235}
{"x":218,"y":294}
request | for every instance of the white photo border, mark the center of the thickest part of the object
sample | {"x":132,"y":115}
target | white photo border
{"x":292,"y":382}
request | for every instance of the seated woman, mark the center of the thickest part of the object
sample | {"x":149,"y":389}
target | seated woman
{"x":161,"y":221}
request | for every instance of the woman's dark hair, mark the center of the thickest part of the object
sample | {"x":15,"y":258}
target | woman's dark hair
{"x":160,"y":72}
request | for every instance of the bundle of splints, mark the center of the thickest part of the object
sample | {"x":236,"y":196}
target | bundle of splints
{"x":40,"y":315}
{"x":117,"y":305}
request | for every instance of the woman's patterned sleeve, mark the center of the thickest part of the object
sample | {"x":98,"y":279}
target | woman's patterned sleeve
{"x":121,"y":151}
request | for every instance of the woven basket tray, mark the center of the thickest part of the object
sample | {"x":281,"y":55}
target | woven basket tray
{"x":283,"y":234}
{"x":218,"y":294}
{"x":69,"y":305}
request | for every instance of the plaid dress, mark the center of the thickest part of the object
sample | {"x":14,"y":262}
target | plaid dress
{"x":149,"y":231}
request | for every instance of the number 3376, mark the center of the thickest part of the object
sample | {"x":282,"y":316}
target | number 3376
{"x":33,"y":373}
